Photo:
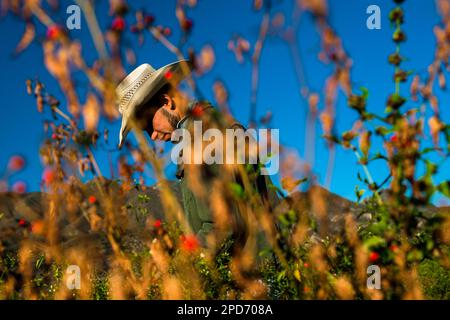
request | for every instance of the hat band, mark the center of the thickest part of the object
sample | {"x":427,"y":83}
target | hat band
{"x":127,"y":97}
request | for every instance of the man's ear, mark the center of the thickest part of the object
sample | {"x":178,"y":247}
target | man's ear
{"x":168,"y":102}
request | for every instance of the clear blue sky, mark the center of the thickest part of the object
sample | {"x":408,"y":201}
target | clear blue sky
{"x":214,"y":23}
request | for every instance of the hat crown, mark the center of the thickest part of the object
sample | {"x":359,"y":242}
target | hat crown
{"x":132,"y":78}
{"x":131,"y":83}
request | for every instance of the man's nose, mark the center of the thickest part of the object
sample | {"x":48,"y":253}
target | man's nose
{"x":164,"y":136}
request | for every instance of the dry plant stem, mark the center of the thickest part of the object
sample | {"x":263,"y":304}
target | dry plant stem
{"x":294,"y":49}
{"x":330,"y":166}
{"x":171,"y":47}
{"x":94,"y":29}
{"x":99,"y":42}
{"x":91,"y":154}
{"x":176,"y":51}
{"x":66,"y":117}
{"x":311,"y":117}
{"x":257,"y":203}
{"x":98,"y":39}
{"x":256,"y":57}
{"x":39,"y":13}
{"x":304,"y":91}
{"x":310,"y":138}
{"x":95,"y":80}
{"x":170,"y":204}
{"x":107,"y":201}
{"x":94,"y":163}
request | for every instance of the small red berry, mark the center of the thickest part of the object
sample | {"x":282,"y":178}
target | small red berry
{"x":22,"y":223}
{"x":157,"y":224}
{"x":167,"y":32}
{"x":16,"y":163}
{"x":118,"y":24}
{"x":92,"y":199}
{"x":393,"y":248}
{"x":374,"y":256}
{"x":187,"y":25}
{"x":149,"y":19}
{"x":48,"y":176}
{"x":332,"y":56}
{"x":189,"y":243}
{"x":19,"y":187}
{"x":306,"y":265}
{"x":197,"y":110}
{"x":54,"y":32}
{"x":168,"y":75}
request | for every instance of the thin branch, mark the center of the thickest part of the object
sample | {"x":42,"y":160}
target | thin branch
{"x":264,"y":27}
{"x":94,"y":28}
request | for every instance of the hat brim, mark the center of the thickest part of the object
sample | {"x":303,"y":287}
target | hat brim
{"x":148,"y":89}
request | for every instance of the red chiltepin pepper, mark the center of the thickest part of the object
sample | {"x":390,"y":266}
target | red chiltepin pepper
{"x":374,"y":256}
{"x":23,"y":223}
{"x":157,"y":224}
{"x":198,"y":110}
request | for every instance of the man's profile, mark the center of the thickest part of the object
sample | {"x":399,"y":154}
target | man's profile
{"x":149,"y":100}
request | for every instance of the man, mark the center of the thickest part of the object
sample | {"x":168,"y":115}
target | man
{"x":150,"y":98}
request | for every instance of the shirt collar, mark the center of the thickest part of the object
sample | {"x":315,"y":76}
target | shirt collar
{"x":188,"y":114}
{"x":191,"y":106}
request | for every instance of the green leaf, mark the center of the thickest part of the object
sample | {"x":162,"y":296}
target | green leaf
{"x":444,"y":188}
{"x":428,"y":150}
{"x":378,"y":156}
{"x":237,"y":189}
{"x":359,"y":193}
{"x":143,"y":197}
{"x":358,"y":175}
{"x":365,"y":92}
{"x":375,"y":241}
{"x":383,"y":131}
{"x":415,"y":255}
{"x":281,"y":275}
{"x":40,"y":261}
{"x":283,"y":220}
{"x":292,"y":215}
{"x":300,"y":181}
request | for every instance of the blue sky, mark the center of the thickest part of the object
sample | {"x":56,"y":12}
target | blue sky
{"x":214,"y":23}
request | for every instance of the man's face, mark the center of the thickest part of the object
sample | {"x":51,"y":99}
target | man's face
{"x":165,"y":119}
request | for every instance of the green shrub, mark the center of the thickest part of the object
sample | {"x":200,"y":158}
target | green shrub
{"x":435,"y":280}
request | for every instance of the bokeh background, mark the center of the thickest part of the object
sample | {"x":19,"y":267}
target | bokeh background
{"x":215,"y":23}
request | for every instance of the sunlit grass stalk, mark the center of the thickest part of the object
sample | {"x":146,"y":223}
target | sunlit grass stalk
{"x":368,"y":175}
{"x":97,"y":35}
{"x":39,"y":13}
{"x":255,"y":59}
{"x":169,"y":201}
{"x":177,"y":52}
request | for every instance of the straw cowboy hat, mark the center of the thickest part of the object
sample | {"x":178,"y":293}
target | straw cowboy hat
{"x":140,"y":86}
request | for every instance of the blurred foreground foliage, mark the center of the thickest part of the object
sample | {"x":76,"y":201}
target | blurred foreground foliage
{"x":130,"y":240}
